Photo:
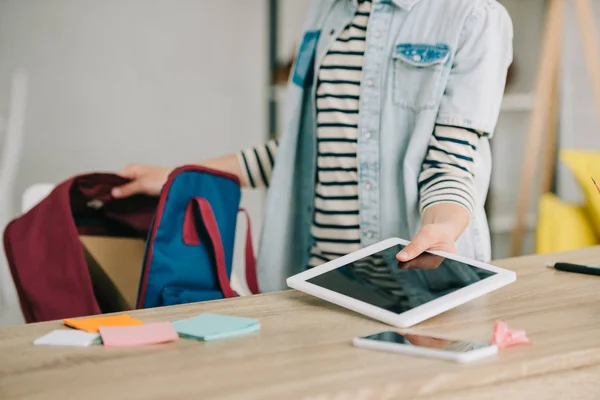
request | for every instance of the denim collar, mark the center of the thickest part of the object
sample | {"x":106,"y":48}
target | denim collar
{"x":405,"y":4}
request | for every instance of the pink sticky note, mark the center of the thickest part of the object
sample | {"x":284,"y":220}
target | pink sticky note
{"x":123,"y":336}
{"x":504,"y":337}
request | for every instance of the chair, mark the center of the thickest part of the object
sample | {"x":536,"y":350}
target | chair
{"x":34,"y":194}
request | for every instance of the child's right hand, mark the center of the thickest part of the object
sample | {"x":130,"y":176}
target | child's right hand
{"x":145,"y":179}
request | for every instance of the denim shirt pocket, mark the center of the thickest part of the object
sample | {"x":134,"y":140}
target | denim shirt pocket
{"x":305,"y":60}
{"x":419,"y":71}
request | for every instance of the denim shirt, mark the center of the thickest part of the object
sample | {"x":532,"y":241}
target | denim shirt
{"x":426,"y":62}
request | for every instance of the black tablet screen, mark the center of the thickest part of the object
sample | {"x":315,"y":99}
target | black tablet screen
{"x":380,"y":280}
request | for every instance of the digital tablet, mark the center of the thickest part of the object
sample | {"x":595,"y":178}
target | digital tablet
{"x":373,"y":283}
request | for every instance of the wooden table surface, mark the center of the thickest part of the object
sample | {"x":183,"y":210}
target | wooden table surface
{"x":304,"y":350}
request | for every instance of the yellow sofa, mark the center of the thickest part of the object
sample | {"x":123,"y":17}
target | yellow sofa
{"x":563,"y":226}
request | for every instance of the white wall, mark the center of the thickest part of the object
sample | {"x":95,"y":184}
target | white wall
{"x":511,"y":132}
{"x":117,"y":81}
{"x":291,"y":17}
{"x":579,"y":122}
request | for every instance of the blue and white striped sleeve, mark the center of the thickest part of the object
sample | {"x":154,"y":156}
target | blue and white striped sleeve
{"x":257,"y":164}
{"x":447,"y":175}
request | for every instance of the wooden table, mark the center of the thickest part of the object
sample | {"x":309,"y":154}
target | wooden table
{"x":304,"y":351}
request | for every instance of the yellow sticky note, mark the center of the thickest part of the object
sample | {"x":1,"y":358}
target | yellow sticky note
{"x":94,"y":323}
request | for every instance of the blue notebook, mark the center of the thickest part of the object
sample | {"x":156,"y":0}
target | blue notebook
{"x":213,"y":326}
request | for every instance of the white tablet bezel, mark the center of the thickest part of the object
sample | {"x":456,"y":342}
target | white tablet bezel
{"x":411,"y":317}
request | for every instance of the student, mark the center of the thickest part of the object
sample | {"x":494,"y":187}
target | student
{"x":390,"y":107}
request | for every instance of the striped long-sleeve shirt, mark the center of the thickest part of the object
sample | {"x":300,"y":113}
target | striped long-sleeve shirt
{"x":447,"y":172}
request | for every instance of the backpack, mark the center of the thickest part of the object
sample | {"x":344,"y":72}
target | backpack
{"x":189,"y":250}
{"x":188,"y":231}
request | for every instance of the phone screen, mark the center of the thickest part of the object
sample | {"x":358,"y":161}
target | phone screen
{"x":455,"y":346}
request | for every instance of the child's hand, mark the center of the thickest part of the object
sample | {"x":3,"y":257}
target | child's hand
{"x":145,"y":179}
{"x":436,"y":236}
{"x":443,"y":223}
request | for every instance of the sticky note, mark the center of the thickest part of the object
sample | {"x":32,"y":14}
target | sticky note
{"x":212,"y":326}
{"x":122,"y":336}
{"x":67,"y":337}
{"x":92,"y":324}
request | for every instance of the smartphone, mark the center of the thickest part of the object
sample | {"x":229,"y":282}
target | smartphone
{"x":427,"y":346}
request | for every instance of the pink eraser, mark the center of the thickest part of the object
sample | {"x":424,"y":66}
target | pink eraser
{"x":504,"y":337}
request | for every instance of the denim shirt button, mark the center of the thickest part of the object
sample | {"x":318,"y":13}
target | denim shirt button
{"x":368,"y":135}
{"x":417,"y":57}
{"x":368,"y":186}
{"x":370,"y":234}
{"x":377,"y":34}
{"x":370,"y":83}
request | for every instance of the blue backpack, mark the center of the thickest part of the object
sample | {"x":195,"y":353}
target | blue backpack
{"x":189,"y":251}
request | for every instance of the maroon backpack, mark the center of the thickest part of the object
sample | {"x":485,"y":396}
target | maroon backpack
{"x":44,"y":252}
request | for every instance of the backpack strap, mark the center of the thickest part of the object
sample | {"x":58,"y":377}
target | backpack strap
{"x":209,"y":222}
{"x":251,"y":277}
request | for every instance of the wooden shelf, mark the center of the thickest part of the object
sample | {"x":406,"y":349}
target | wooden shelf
{"x":505,"y":223}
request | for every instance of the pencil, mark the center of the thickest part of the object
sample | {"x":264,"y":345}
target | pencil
{"x":596,"y":183}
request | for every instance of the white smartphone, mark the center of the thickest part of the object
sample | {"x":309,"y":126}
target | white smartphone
{"x":427,"y":346}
